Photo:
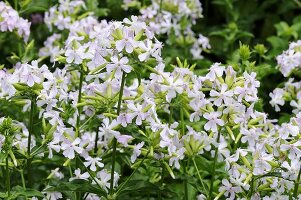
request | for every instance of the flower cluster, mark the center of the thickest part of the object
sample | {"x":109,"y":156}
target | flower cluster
{"x":291,"y":92}
{"x":290,"y":59}
{"x":270,"y":149}
{"x":60,"y":15}
{"x":11,"y":21}
{"x":175,"y":18}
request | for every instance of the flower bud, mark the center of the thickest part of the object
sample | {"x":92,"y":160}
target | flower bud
{"x":244,"y":52}
{"x":260,"y":49}
{"x":169,"y":170}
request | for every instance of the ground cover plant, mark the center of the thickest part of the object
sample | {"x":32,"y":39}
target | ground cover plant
{"x":150,"y":99}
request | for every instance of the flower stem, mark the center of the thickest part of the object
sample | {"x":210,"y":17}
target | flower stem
{"x":7,"y":177}
{"x":161,"y":1}
{"x":198,"y":172}
{"x":161,"y":182}
{"x":91,"y":175}
{"x":214,"y":167}
{"x":185,"y":182}
{"x":130,"y":177}
{"x":182,"y":122}
{"x":296,"y":187}
{"x":22,"y":179}
{"x":183,"y":133}
{"x":79,"y":99}
{"x":114,"y":139}
{"x":30,"y":133}
{"x":252,"y":187}
{"x":77,"y":126}
{"x":95,"y":144}
{"x":170,"y":114}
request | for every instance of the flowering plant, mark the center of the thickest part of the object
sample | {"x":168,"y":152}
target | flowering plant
{"x":106,"y":109}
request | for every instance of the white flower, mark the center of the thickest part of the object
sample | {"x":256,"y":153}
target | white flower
{"x":249,"y":136}
{"x":119,"y":65}
{"x":103,"y":179}
{"x":216,"y":70}
{"x":292,"y":169}
{"x":277,"y":98}
{"x":177,"y":156}
{"x":213,"y":121}
{"x":229,"y":189}
{"x":53,"y":145}
{"x":137,"y":151}
{"x":107,"y":127}
{"x":71,"y":147}
{"x":201,"y":197}
{"x":124,"y":139}
{"x":92,"y":162}
{"x":222,"y":96}
{"x":261,"y":164}
{"x":175,"y":86}
{"x":78,"y":175}
{"x":147,"y":47}
{"x":2,"y":140}
{"x":127,"y":41}
{"x":75,"y":56}
{"x":57,"y":174}
{"x":124,"y":119}
{"x":294,"y":149}
{"x":137,"y":112}
{"x":287,"y":129}
{"x":53,"y":195}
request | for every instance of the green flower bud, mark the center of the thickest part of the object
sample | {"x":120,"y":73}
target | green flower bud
{"x":260,"y":49}
{"x":169,"y":170}
{"x":244,"y":51}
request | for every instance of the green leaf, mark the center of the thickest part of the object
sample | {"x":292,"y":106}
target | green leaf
{"x":77,"y":186}
{"x":278,"y":45}
{"x":35,"y":6}
{"x":138,"y":185}
{"x":18,"y":191}
{"x":92,"y":6}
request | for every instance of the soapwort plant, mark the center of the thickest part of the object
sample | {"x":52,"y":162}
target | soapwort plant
{"x":100,"y":113}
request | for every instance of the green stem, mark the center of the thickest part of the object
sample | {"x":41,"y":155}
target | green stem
{"x":200,"y":178}
{"x":16,"y":5}
{"x":296,"y":187}
{"x":37,"y":150}
{"x":161,"y":182}
{"x":91,"y":175}
{"x":170,"y":114}
{"x":88,"y":120}
{"x":182,"y":122}
{"x":214,"y":167}
{"x":252,"y":187}
{"x":114,"y":139}
{"x":185,"y":182}
{"x":95,"y":144}
{"x":161,"y":2}
{"x":79,"y":98}
{"x":70,"y":170}
{"x":22,"y":179}
{"x":7,"y":177}
{"x":130,"y":177}
{"x":77,"y":127}
{"x":182,"y":133}
{"x":30,"y":133}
